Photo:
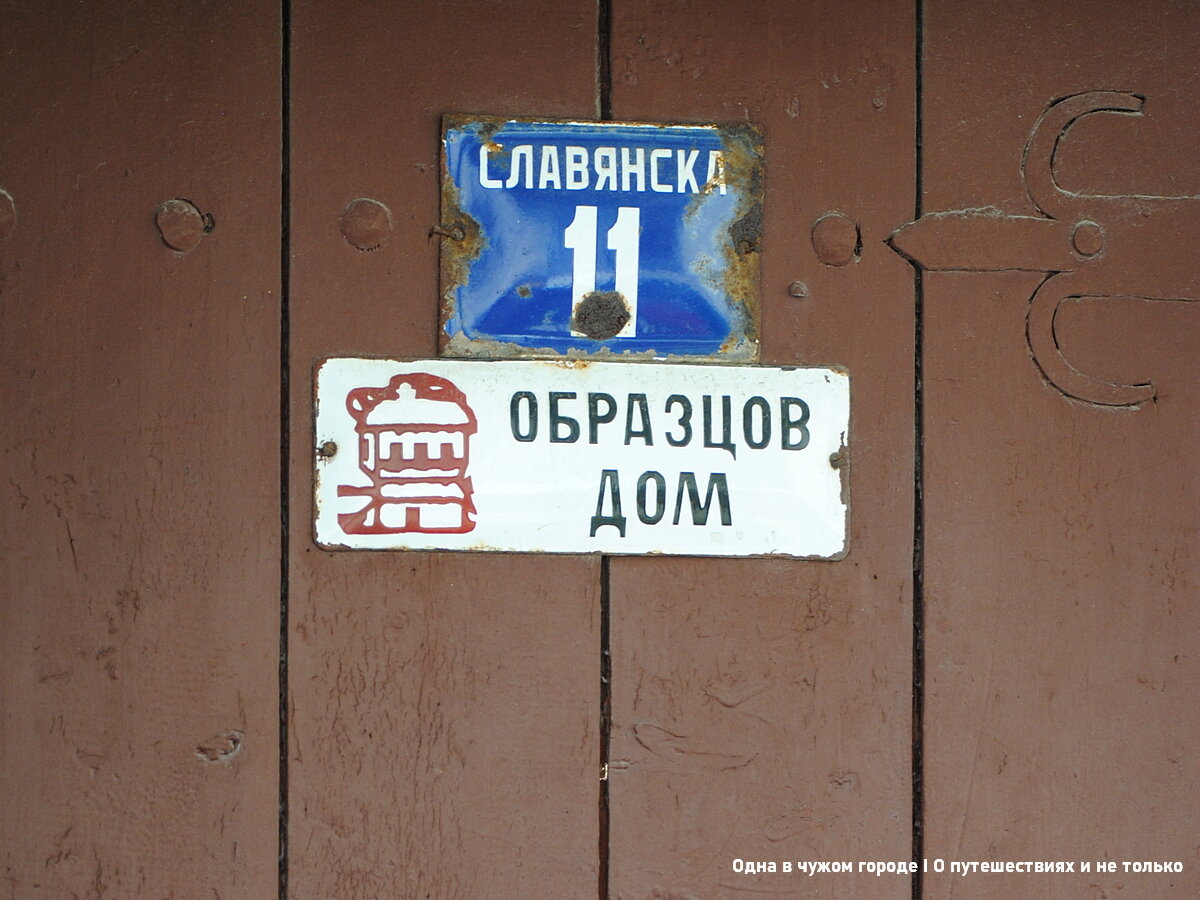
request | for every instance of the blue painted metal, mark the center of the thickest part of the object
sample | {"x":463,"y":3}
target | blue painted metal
{"x":507,"y":284}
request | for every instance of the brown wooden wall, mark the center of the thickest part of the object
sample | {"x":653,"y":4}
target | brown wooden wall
{"x":1062,"y":629}
{"x":139,"y":607}
{"x":1003,"y":668}
{"x":708,"y":654}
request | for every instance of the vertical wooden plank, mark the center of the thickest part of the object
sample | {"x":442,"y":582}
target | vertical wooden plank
{"x":444,"y":706}
{"x":139,"y":615}
{"x":761,"y":708}
{"x":1061,"y":540}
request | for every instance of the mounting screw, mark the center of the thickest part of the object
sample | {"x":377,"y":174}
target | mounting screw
{"x":365,"y":224}
{"x":327,"y":450}
{"x":797,"y":289}
{"x":836,"y":239}
{"x":455,"y":232}
{"x":181,"y":224}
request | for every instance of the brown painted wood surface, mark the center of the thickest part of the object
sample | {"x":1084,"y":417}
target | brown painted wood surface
{"x":761,"y":709}
{"x":444,"y":707}
{"x":139,"y":598}
{"x":1062,"y":666}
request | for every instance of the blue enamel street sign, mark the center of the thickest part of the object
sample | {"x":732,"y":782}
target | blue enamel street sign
{"x":600,"y":238}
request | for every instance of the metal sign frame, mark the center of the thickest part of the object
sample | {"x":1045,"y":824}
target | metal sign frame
{"x":600,"y":239}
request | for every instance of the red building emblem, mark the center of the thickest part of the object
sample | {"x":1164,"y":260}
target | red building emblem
{"x":413,"y":445}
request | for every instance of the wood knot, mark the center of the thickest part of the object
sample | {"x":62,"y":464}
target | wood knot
{"x":220,"y":747}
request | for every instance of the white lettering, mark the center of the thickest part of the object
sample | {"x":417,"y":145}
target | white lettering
{"x":630,"y":168}
{"x":655,"y":157}
{"x":484,"y":180}
{"x":571,"y":168}
{"x":577,"y":170}
{"x":580,"y":236}
{"x":549,"y":171}
{"x":624,"y":239}
{"x":605,"y":162}
{"x":716,"y":171}
{"x":686,"y":171}
{"x":523,"y":153}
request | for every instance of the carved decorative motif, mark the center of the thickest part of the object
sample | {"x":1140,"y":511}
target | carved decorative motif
{"x":1090,"y":246}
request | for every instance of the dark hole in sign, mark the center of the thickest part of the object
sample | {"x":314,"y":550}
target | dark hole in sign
{"x":600,"y":315}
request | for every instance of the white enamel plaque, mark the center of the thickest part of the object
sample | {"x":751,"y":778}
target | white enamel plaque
{"x":576,"y":456}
